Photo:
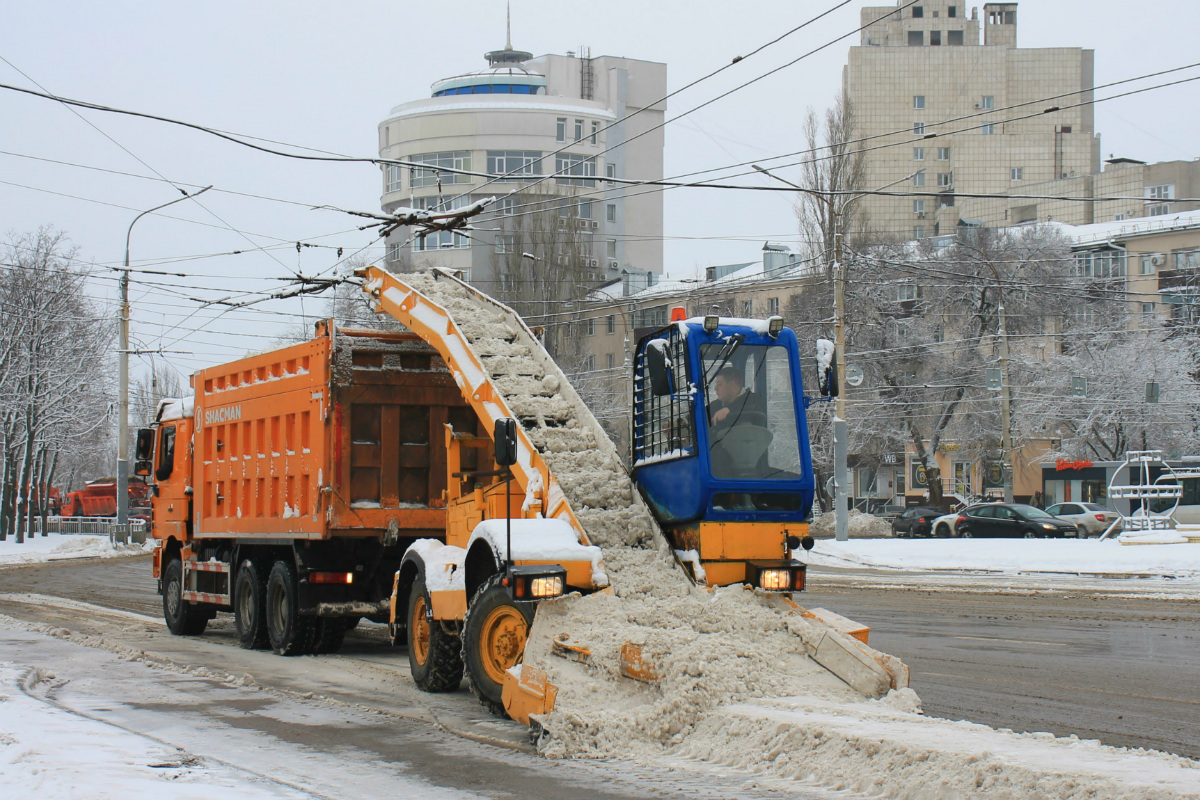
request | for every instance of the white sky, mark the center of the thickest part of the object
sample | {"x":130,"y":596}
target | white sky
{"x":324,"y":74}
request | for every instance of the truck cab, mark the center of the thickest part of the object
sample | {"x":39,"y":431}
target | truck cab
{"x":720,"y":445}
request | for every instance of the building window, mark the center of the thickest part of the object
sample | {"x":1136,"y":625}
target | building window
{"x":508,"y":205}
{"x":919,"y":128}
{"x":1148,"y":262}
{"x":1186,"y":259}
{"x":610,"y":172}
{"x":1100,"y":264}
{"x":772,"y":306}
{"x":560,"y":131}
{"x":987,"y":129}
{"x":919,"y":101}
{"x":393,"y":174}
{"x":591,"y":326}
{"x":514,"y":163}
{"x":579,"y":130}
{"x":918,"y":154}
{"x":434,"y":163}
{"x":918,"y":12}
{"x":943,"y":154}
{"x":393,"y":251}
{"x":954,"y":38}
{"x":1163,"y":192}
{"x":585,"y":209}
{"x":1017,"y":173}
{"x":611,"y":323}
{"x":935,"y":38}
{"x":595,"y":132}
{"x":916,"y":38}
{"x":919,"y":178}
{"x":610,"y":212}
{"x":575,"y":170}
{"x":906,"y":292}
{"x":1147,"y":311}
{"x":918,"y":231}
{"x":919,"y":208}
{"x":610,"y":248}
{"x":988,"y":102}
{"x":1159,"y":210}
{"x":506,"y":282}
{"x":945,"y":179}
{"x":506,"y":243}
{"x":952,"y":12}
{"x":589,"y":364}
{"x":610,"y":360}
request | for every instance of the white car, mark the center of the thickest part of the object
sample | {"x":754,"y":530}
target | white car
{"x":1089,"y":519}
{"x":945,"y":526}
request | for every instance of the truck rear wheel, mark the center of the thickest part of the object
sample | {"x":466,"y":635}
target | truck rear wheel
{"x":290,"y":633}
{"x":434,"y":655}
{"x":250,"y":606}
{"x":183,"y":618}
{"x":494,"y":634}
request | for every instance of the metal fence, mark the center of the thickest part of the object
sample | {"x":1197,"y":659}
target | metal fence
{"x":134,"y":531}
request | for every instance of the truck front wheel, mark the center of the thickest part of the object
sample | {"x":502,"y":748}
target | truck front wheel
{"x":434,"y":654}
{"x":183,"y":618}
{"x":290,"y":633}
{"x":494,"y":634}
{"x":250,"y":606}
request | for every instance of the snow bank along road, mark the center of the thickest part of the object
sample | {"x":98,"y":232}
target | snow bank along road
{"x":1021,"y":676}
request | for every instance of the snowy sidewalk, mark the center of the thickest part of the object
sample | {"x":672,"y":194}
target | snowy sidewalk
{"x":1013,"y":556}
{"x":56,"y":547}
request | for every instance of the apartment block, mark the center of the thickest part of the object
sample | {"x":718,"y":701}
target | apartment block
{"x":951,"y":106}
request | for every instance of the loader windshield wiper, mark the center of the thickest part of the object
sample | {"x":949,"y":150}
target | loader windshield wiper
{"x":723,"y":357}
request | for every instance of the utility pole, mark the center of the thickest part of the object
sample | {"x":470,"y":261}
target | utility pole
{"x":840,"y":432}
{"x":1006,"y":454}
{"x":123,"y":369}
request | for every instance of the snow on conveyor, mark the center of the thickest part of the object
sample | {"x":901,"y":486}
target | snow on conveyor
{"x":732,"y":681}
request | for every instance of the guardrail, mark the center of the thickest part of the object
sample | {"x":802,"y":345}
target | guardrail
{"x":134,"y":531}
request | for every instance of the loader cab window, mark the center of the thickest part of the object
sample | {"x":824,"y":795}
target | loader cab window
{"x":166,"y":453}
{"x":751,"y":412}
{"x":662,"y":419}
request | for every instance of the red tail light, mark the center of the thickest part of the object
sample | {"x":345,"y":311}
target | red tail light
{"x":961,"y":518}
{"x":1100,"y":517}
{"x":331,"y":577}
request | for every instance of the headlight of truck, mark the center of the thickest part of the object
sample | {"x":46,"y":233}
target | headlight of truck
{"x":775,"y":580}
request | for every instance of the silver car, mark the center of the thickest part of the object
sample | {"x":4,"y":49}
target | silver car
{"x":1089,"y":519}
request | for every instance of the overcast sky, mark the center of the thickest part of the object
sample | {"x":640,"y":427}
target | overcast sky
{"x":322,"y":75}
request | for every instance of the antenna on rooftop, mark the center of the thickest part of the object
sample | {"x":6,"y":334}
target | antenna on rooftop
{"x":508,"y":28}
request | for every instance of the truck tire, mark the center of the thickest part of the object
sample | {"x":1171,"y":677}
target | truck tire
{"x":290,"y":633}
{"x":331,"y":633}
{"x":183,"y":618}
{"x":494,"y":634}
{"x":250,"y":606}
{"x":434,"y":655}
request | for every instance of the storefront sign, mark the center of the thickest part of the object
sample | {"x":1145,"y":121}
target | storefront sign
{"x":1065,"y":464}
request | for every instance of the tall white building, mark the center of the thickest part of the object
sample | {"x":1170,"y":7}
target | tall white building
{"x":533,"y":118}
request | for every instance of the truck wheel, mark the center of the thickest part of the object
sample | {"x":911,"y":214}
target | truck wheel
{"x":250,"y":606}
{"x":434,"y":656}
{"x":331,"y":633}
{"x":494,"y":634}
{"x":290,"y":633}
{"x":183,"y":618}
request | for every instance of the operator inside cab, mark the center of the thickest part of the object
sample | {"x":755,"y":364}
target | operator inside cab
{"x":737,"y":427}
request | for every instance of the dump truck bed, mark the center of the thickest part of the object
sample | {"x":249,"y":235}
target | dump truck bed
{"x":337,"y":436}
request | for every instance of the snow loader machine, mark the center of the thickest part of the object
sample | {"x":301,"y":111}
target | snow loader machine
{"x":447,"y":479}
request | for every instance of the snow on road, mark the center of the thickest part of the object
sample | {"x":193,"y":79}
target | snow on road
{"x":55,"y":546}
{"x":1012,"y":556}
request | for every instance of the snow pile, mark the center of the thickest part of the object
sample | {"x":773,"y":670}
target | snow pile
{"x":55,"y":547}
{"x":1073,"y":556}
{"x":859,"y":526}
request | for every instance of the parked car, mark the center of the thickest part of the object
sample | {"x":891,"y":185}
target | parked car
{"x":946,"y":525}
{"x":1089,"y":519}
{"x":916,"y":521}
{"x":1011,"y":520}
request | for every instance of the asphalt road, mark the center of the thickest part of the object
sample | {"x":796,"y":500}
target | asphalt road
{"x":1069,"y":659}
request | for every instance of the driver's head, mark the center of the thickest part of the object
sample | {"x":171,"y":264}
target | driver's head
{"x":728,"y":384}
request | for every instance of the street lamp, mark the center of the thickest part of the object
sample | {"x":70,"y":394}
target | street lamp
{"x":123,"y":368}
{"x":840,"y":455}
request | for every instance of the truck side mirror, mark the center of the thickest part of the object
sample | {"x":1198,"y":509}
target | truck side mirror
{"x":144,"y":451}
{"x":506,"y":442}
{"x":659,"y":367}
{"x":827,"y":367}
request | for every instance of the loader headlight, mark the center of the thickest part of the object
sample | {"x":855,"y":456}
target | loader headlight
{"x":775,"y":580}
{"x":712,"y":322}
{"x":774,"y":326}
{"x":776,"y":576}
{"x":537,"y":582}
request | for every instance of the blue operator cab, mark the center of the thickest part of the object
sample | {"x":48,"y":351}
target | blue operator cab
{"x":720,"y":445}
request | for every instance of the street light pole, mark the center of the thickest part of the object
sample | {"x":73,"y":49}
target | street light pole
{"x":123,"y":370}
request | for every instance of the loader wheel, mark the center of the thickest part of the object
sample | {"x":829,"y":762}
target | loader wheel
{"x":331,"y":633}
{"x":183,"y":618}
{"x":250,"y":606}
{"x":434,"y":654}
{"x":290,"y":633}
{"x":494,"y":634}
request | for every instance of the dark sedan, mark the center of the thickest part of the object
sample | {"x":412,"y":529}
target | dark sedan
{"x":916,"y":521}
{"x":1011,"y":520}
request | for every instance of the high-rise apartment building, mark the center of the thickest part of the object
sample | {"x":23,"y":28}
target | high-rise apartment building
{"x":554,"y":129}
{"x":956,"y":114}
